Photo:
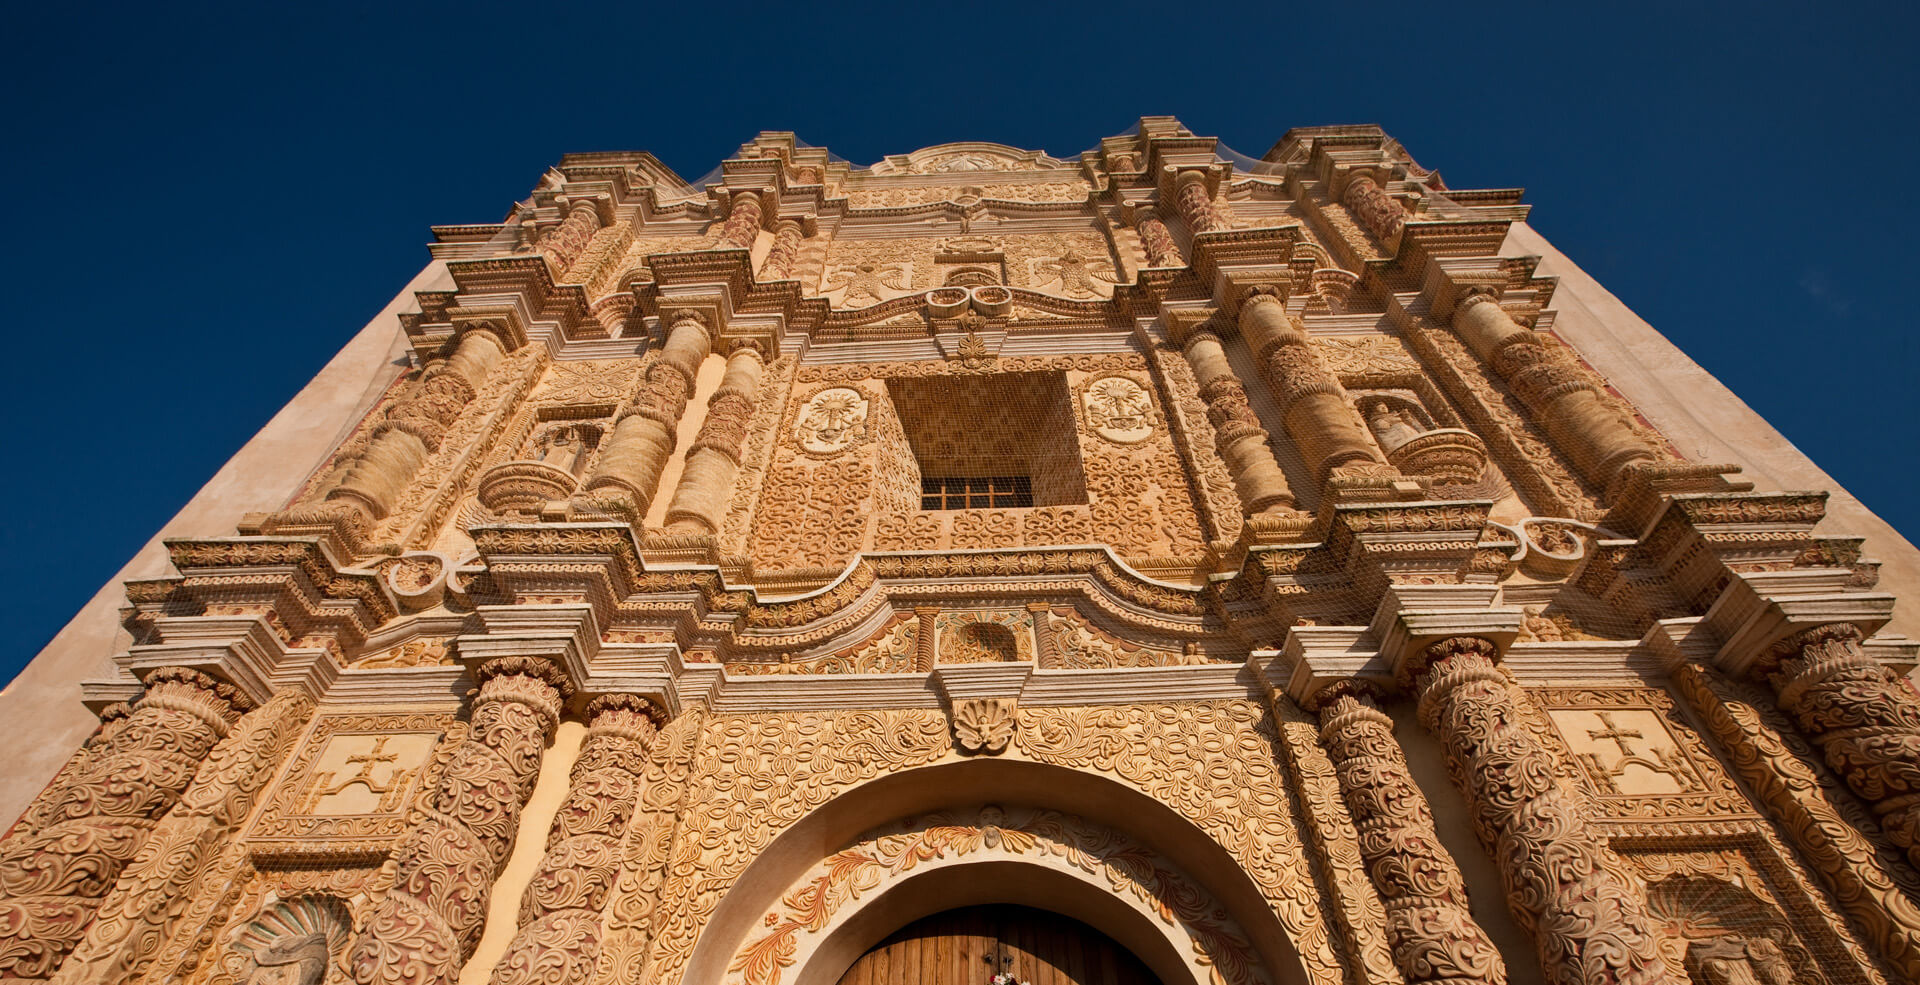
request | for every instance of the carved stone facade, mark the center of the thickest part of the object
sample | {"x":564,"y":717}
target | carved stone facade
{"x":1232,"y":556}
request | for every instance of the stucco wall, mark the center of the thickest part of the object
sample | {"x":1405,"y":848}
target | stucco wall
{"x":44,"y":700}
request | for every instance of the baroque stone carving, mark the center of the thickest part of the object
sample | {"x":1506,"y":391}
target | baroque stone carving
{"x":428,"y":923}
{"x":53,"y":879}
{"x":559,"y":938}
{"x":293,"y":941}
{"x":1866,"y":723}
{"x":1131,"y":870}
{"x":1586,"y":923}
{"x":983,"y":725}
{"x":831,"y":420}
{"x":1432,"y":933}
{"x":1118,"y":409}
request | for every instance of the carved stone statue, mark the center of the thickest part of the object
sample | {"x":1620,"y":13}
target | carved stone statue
{"x":1392,"y":426}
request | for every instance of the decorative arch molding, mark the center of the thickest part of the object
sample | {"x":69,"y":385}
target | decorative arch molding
{"x":854,"y":898}
{"x":1194,"y":861}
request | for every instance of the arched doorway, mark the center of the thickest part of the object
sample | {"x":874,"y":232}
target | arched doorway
{"x":969,"y":945}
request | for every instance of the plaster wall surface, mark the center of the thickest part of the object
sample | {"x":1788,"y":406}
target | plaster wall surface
{"x":1707,"y":422}
{"x":262,"y":475}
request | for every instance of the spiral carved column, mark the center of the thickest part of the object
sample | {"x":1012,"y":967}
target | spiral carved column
{"x":1864,"y":719}
{"x":559,"y":938}
{"x":1313,"y":405}
{"x":416,"y":425}
{"x":634,"y":454}
{"x":700,"y":500}
{"x":1378,"y":211}
{"x":1429,"y":927}
{"x":785,"y":250}
{"x":1157,"y":240}
{"x":1546,"y":376}
{"x":1238,"y":436}
{"x":563,"y":245}
{"x":743,"y":221}
{"x":444,"y":868}
{"x":1196,"y":207}
{"x":1589,"y":926}
{"x":53,"y":878}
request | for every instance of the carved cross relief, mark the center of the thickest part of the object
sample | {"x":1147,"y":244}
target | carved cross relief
{"x":1626,"y":751}
{"x":360,"y":773}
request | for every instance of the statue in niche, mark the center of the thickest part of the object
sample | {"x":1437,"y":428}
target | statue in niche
{"x":1738,"y":960}
{"x":1392,"y":425}
{"x":565,"y":448}
{"x":292,"y":941}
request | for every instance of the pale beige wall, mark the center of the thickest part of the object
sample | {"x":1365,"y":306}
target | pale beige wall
{"x":1704,"y":419}
{"x":44,"y":700}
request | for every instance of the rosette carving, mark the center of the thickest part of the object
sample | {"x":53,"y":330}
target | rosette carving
{"x":53,"y":878}
{"x":1587,"y":923}
{"x":559,"y":937}
{"x":1865,"y":721}
{"x":444,"y":868}
{"x":1429,"y":927}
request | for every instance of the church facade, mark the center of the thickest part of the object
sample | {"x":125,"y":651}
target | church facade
{"x":1154,"y":565}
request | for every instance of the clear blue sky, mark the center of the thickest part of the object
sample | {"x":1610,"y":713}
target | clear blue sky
{"x":208,"y":203}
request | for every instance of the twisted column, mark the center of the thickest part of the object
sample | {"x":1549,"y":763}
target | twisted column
{"x":1378,"y":211}
{"x":1589,"y":926}
{"x":1429,"y":926}
{"x":1157,"y":240}
{"x":564,"y":243}
{"x":700,"y":500}
{"x":444,"y":867}
{"x":1237,"y":433}
{"x":785,"y":250}
{"x":1548,"y":379}
{"x":1195,"y":205}
{"x":743,"y":221}
{"x":415,"y":426}
{"x":1865,"y":721}
{"x":644,"y":437}
{"x":559,"y":938}
{"x":53,"y":878}
{"x":1313,"y":405}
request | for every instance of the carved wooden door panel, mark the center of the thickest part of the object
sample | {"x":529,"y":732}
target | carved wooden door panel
{"x":968,"y":946}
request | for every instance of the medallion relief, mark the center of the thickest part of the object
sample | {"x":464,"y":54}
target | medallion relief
{"x":831,"y":421}
{"x":1118,"y":408}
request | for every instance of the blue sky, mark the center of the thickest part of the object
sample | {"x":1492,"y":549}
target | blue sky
{"x":209,"y":201}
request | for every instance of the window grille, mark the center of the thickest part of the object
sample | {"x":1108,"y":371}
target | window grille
{"x":972,"y":492}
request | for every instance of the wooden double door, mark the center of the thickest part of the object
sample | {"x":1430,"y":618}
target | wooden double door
{"x":969,"y":946}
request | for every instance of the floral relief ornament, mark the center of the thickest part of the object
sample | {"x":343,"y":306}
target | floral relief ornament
{"x":831,"y":421}
{"x":1118,"y":409}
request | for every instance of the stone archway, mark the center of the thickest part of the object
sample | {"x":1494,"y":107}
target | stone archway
{"x":1115,"y":859}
